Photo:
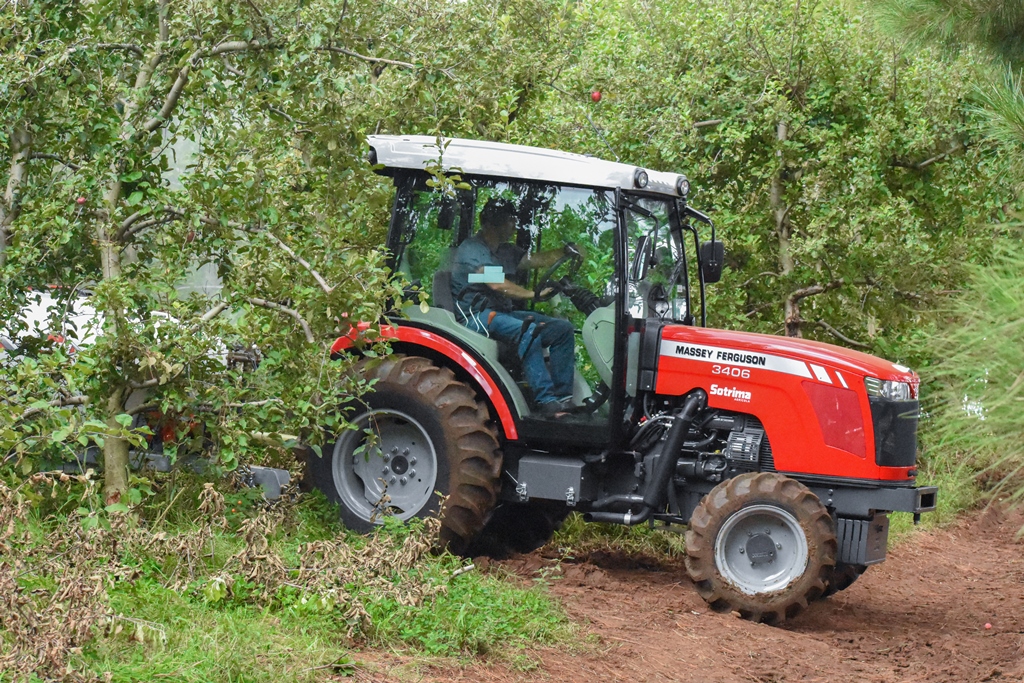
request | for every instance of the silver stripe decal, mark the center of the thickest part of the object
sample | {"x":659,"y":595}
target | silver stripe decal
{"x":748,"y":359}
{"x":821,"y":374}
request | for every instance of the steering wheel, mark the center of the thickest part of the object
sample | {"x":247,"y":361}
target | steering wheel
{"x":547,"y":281}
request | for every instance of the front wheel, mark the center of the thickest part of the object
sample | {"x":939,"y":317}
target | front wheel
{"x":760,"y":544}
{"x":417,"y":433}
{"x":842,"y":577}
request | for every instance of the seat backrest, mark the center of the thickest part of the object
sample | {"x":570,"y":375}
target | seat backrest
{"x":441,"y":290}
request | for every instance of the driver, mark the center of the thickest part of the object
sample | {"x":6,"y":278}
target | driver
{"x":488,"y":301}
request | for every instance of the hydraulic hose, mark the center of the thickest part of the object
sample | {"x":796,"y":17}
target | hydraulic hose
{"x":657,"y":490}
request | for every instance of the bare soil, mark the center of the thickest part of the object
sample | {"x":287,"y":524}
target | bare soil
{"x":919,"y":616}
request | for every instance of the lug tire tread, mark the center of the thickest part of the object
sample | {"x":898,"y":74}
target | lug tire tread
{"x":728,"y":498}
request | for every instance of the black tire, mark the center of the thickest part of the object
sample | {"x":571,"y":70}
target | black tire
{"x":518,"y":528}
{"x":842,"y":577}
{"x":733,"y":523}
{"x":416,"y":403}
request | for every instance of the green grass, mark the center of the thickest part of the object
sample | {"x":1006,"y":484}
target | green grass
{"x":577,"y":537}
{"x":194,"y":633}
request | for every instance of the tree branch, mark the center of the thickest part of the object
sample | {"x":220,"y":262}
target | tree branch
{"x":163,"y":12}
{"x":171,"y":101}
{"x":21,"y":143}
{"x":799,"y":294}
{"x":365,"y":58}
{"x":708,"y":123}
{"x":133,"y":227}
{"x":293,"y":313}
{"x":148,"y":384}
{"x":298,"y":259}
{"x":839,"y":335}
{"x":939,"y":157}
{"x":230,"y":69}
{"x":209,"y":407}
{"x":286,"y":116}
{"x":54,"y":157}
{"x":56,"y":403}
{"x":214,"y":312}
{"x":127,"y":47}
{"x":792,"y":305}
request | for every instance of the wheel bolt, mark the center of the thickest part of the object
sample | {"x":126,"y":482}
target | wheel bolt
{"x":404,"y":481}
{"x":387,"y":457}
{"x":750,"y":533}
{"x":742,"y":551}
{"x":779,"y":546}
{"x":412,"y":473}
{"x":394,"y":449}
{"x":391,"y":480}
{"x":768,"y":531}
{"x":412,"y":461}
{"x":405,"y":451}
{"x":386,"y":470}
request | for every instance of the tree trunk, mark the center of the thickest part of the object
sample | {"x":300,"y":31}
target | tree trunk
{"x":782,"y":233}
{"x":21,"y":141}
{"x":115,"y":453}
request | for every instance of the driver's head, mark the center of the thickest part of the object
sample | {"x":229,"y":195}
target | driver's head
{"x":498,"y":218}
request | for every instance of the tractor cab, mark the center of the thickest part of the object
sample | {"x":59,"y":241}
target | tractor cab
{"x":620,"y":240}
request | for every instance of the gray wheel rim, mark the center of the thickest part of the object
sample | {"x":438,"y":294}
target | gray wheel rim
{"x":760,"y":549}
{"x":397,"y":472}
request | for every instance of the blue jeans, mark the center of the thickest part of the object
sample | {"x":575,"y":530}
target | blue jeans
{"x":555,"y":334}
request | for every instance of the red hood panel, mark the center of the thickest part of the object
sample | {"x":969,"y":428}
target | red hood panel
{"x":799,"y":349}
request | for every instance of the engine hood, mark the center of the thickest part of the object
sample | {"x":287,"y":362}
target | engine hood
{"x":807,"y":350}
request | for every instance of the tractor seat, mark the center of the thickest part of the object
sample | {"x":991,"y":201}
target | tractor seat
{"x":441,"y":293}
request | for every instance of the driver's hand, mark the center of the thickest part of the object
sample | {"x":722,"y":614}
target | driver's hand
{"x":544,"y":293}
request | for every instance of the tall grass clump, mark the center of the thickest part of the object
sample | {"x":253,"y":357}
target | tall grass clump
{"x":974,"y":403}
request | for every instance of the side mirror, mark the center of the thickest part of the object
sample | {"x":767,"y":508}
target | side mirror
{"x":641,"y":259}
{"x":712,"y":258}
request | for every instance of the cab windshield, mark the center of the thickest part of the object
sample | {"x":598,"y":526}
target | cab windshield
{"x":658,"y":279}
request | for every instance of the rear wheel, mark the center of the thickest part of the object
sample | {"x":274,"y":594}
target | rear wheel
{"x":760,"y":544}
{"x":417,"y":432}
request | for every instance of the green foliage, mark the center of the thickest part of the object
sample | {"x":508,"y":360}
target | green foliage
{"x":974,"y":403}
{"x":884,"y":181}
{"x":148,"y":149}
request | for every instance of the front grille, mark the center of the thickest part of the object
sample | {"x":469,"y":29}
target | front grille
{"x":895,"y":424}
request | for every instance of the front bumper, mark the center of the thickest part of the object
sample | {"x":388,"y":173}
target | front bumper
{"x":862,"y":503}
{"x":862,"y":517}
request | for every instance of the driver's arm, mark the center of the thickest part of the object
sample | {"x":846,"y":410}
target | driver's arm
{"x":509,"y":288}
{"x":545,"y":259}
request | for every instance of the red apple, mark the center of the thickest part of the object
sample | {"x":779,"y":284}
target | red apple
{"x":596,"y":96}
{"x":80,"y":201}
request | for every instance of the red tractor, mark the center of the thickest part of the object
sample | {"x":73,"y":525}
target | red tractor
{"x":783,"y":456}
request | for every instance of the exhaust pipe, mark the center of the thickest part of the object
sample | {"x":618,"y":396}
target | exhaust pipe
{"x":657,"y":490}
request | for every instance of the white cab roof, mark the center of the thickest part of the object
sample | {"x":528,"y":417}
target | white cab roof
{"x":478,"y":157}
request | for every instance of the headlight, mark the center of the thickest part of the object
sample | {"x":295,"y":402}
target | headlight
{"x":894,"y":391}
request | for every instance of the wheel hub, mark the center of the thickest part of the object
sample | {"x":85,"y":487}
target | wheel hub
{"x":399,"y":464}
{"x":760,"y":549}
{"x":387,"y":462}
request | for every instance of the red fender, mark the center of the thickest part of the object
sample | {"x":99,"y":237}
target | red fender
{"x":435,"y":342}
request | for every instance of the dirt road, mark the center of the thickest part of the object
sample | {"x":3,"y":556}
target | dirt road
{"x":920,"y":616}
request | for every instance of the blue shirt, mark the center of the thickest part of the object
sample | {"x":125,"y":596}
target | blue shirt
{"x":472,"y":256}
